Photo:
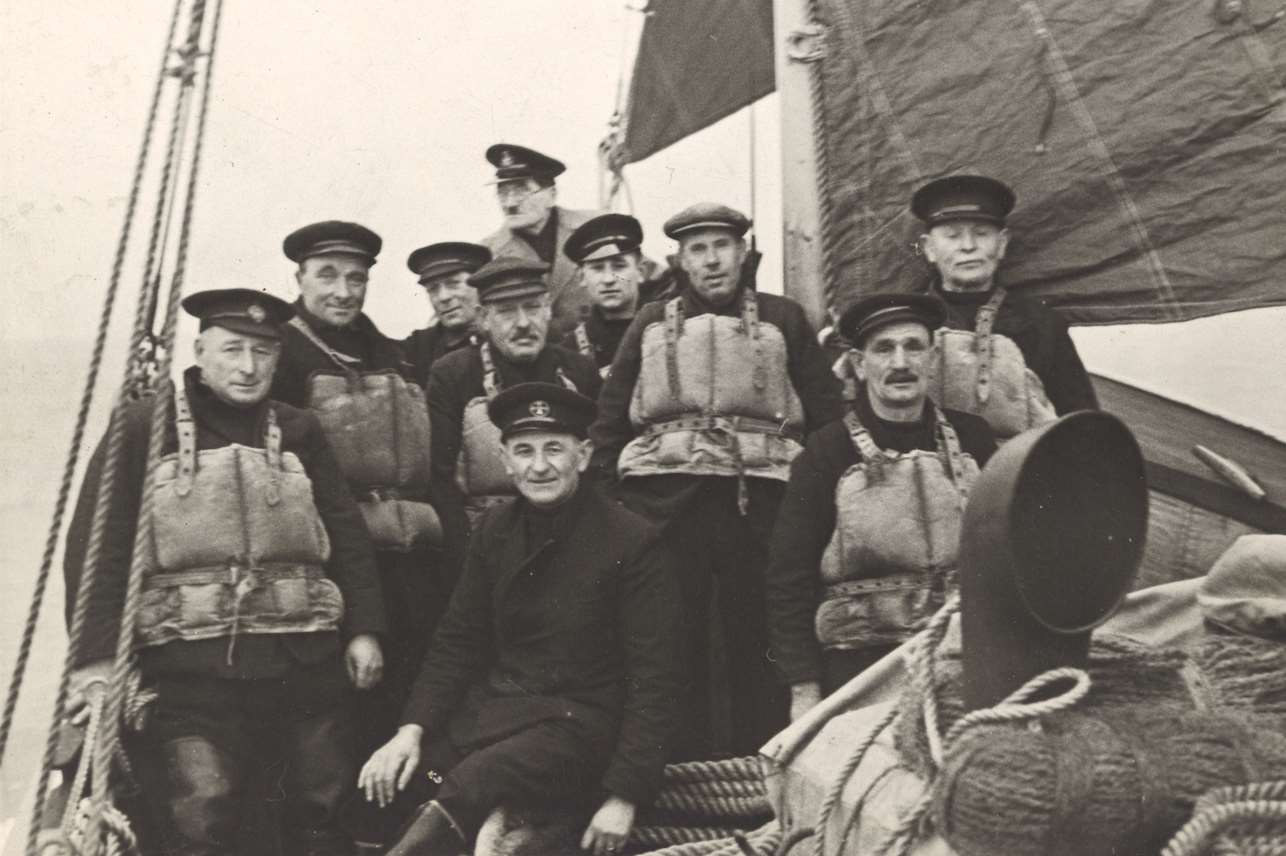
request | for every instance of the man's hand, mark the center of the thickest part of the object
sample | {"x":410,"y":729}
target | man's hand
{"x":389,"y":770}
{"x":610,"y":827}
{"x":365,"y":661}
{"x":83,"y":686}
{"x":803,"y":698}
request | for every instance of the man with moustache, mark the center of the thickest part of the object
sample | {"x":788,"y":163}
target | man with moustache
{"x":513,"y":321}
{"x":552,"y":679}
{"x":864,"y":550}
{"x":336,"y":362}
{"x":260,"y":592}
{"x":444,"y":270}
{"x":536,"y":227}
{"x":709,"y":399}
{"x":1002,"y":356}
{"x":607,"y":252}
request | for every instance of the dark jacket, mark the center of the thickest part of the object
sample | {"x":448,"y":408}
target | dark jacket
{"x":570,"y":616}
{"x":300,"y":357}
{"x":456,"y":379}
{"x":1041,"y":335}
{"x":425,"y":347}
{"x":351,"y":564}
{"x":818,"y":388}
{"x":604,"y":335}
{"x":806,"y":520}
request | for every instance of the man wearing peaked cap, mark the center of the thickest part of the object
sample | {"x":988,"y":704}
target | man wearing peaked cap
{"x":443,"y":270}
{"x":513,"y":325}
{"x":866,"y":537}
{"x":607,"y":250}
{"x":1033,"y":373}
{"x":535,"y":227}
{"x":710,"y":397}
{"x":336,"y":362}
{"x":262,"y":603}
{"x":553,"y":677}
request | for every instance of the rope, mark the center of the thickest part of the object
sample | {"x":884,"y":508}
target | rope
{"x":710,"y":805}
{"x":730,"y":769}
{"x":1257,"y":805}
{"x":82,"y":414}
{"x":720,"y":788}
{"x":764,"y":840}
{"x":670,"y":836}
{"x":821,"y":158}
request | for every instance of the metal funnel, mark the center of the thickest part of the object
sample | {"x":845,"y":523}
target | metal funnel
{"x":1051,"y":540}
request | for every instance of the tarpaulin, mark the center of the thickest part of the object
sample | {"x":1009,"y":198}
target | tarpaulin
{"x":698,"y":61}
{"x":1146,"y":142}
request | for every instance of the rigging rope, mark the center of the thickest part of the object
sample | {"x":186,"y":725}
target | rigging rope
{"x":82,"y":413}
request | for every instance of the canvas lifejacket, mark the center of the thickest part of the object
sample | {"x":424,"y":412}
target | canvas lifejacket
{"x":714,"y":398}
{"x":892,"y":556}
{"x":480,"y":470}
{"x":237,"y":543}
{"x":984,"y":373}
{"x":586,"y":347}
{"x":378,"y":426}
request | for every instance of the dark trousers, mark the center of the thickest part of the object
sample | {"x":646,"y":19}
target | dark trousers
{"x":212,"y":743}
{"x":722,"y":557}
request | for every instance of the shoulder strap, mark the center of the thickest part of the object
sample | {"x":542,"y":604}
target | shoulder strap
{"x":982,"y":346}
{"x":949,"y":447}
{"x":750,"y":320}
{"x":565,"y":380}
{"x":872,"y":455}
{"x":583,"y":343}
{"x":673,"y":327}
{"x":185,"y":428}
{"x":490,"y":382}
{"x":344,"y":361}
{"x":272,"y":448}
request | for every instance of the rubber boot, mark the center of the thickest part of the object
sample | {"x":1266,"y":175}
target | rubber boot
{"x":431,"y":832}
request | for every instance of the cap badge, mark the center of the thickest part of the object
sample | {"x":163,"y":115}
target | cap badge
{"x":257,"y":313}
{"x":539,"y":409}
{"x":506,"y":158}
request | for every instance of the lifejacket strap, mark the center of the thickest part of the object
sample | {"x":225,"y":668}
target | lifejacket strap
{"x":347,"y":364}
{"x":750,"y":319}
{"x":954,"y":457}
{"x":490,"y":385}
{"x":982,"y":341}
{"x":673,"y":327}
{"x":185,"y":429}
{"x":565,"y":380}
{"x":272,"y":446}
{"x":873,"y":456}
{"x":583,"y":343}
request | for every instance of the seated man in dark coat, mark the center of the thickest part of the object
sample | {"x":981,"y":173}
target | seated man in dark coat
{"x":551,"y":678}
{"x":864,"y":548}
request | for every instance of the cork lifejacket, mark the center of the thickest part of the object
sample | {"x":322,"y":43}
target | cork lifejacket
{"x":984,"y":373}
{"x":714,"y":398}
{"x":480,"y":470}
{"x":378,"y":426}
{"x":892,"y":556}
{"x":238,"y":545}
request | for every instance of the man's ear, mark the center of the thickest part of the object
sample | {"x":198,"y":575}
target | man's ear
{"x":856,"y":360}
{"x":198,"y":345}
{"x":586,"y":452}
{"x":1002,"y":243}
{"x":504,"y":459}
{"x":923,"y":244}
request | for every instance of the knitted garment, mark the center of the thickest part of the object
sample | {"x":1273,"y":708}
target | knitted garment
{"x":1118,"y":773}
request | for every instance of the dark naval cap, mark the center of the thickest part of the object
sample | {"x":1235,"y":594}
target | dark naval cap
{"x":706,"y":215}
{"x":541,"y":407}
{"x":241,"y":310}
{"x":447,"y":257}
{"x":332,"y":236}
{"x":876,"y":311}
{"x":603,"y":237}
{"x":963,"y":197}
{"x":513,"y":161}
{"x":509,"y":276}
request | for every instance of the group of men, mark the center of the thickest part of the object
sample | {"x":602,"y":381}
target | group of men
{"x":506,"y":560}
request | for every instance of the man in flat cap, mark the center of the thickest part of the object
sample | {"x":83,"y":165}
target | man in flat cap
{"x":709,"y":399}
{"x":337,"y":363}
{"x":536,"y":227}
{"x":1004,"y":357}
{"x":864,"y":549}
{"x":552,"y":678}
{"x":513,"y":322}
{"x":607,"y":251}
{"x":260,"y":599}
{"x":444,"y":270}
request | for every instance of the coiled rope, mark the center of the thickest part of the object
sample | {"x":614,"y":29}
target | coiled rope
{"x":760,"y":842}
{"x":716,"y":796}
{"x":1253,"y":816}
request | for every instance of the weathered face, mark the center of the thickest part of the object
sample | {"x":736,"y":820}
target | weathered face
{"x":455,"y":302}
{"x":613,"y":283}
{"x":546,"y":465}
{"x":894,"y":364}
{"x":237,"y":367}
{"x":517,"y":327}
{"x":712,"y":259}
{"x":524,"y":203}
{"x":966,"y":253}
{"x":333,"y":287}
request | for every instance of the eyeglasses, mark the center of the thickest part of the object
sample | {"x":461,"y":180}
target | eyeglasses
{"x":516,"y":191}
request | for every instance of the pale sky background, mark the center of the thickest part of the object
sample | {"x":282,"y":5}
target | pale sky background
{"x":377,"y":112}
